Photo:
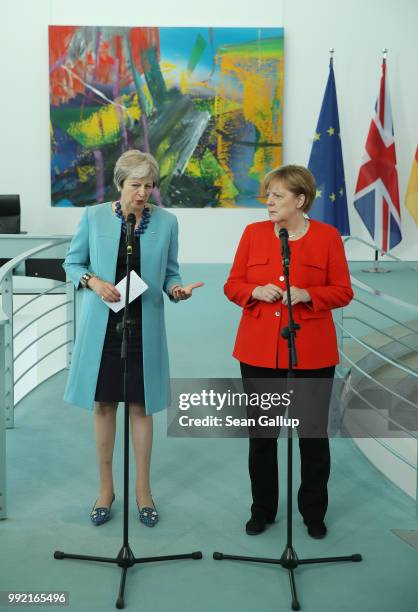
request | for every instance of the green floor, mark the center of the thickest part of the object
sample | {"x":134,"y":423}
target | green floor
{"x":201,"y":489}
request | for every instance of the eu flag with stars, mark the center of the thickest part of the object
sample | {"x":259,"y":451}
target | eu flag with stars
{"x":326,"y":164}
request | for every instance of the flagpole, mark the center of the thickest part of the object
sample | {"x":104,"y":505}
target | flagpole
{"x":376,"y":269}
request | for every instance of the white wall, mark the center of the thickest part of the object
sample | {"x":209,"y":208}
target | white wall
{"x":358,"y":29}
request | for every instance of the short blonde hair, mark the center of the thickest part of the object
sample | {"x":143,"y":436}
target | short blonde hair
{"x":297,"y":179}
{"x":135,"y":164}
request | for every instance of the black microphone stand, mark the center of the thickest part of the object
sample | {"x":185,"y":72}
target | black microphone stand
{"x":289,"y":559}
{"x":126,"y":558}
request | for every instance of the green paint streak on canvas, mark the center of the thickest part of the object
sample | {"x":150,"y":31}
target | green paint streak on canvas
{"x":209,"y":104}
{"x":197,"y":52}
{"x":64,"y":117}
{"x":154,"y":77}
{"x":168,"y":163}
{"x":162,"y":148}
{"x":262,"y":48}
{"x":204,"y":104}
{"x":210,"y":168}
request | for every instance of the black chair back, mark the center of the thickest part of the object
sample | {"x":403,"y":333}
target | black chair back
{"x":9,"y":214}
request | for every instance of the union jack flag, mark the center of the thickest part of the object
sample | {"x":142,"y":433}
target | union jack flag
{"x":377,"y":193}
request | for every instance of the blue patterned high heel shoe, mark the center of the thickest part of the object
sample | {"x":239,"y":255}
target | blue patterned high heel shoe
{"x":148,"y":516}
{"x":101,"y":515}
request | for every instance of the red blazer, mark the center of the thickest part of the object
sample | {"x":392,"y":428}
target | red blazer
{"x":317,"y":264}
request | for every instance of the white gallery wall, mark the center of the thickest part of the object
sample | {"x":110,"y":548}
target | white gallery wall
{"x":358,"y":29}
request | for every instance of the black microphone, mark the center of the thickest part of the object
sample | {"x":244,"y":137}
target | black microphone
{"x":130,"y":227}
{"x":284,"y":237}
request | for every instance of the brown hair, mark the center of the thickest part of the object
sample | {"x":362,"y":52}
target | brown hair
{"x":297,"y":179}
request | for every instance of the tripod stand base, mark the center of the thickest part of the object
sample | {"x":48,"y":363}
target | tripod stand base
{"x":126,"y":559}
{"x":289,"y":560}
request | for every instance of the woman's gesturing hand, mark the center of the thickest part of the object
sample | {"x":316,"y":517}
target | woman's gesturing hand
{"x":183,"y":293}
{"x":267,"y":293}
{"x":296,"y":295}
{"x":104,"y":290}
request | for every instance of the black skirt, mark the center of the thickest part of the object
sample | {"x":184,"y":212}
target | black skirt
{"x":109,"y":386}
{"x":110,"y":381}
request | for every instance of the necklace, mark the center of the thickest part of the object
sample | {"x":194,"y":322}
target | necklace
{"x":302,"y":231}
{"x":145,"y":219}
{"x":305,"y":225}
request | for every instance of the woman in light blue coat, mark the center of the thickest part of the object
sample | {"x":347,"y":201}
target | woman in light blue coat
{"x":95,"y":262}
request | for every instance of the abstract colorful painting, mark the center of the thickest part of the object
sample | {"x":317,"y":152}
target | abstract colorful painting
{"x":206,"y":102}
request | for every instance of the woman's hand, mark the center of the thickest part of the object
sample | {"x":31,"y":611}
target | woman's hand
{"x":183,"y":293}
{"x":267,"y":293}
{"x":296,"y":296}
{"x":104,"y":290}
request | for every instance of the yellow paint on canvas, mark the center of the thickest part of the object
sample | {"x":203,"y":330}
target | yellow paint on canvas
{"x":84,"y":172}
{"x":148,"y":98}
{"x":103,"y":126}
{"x":228,"y":189}
{"x":168,"y":164}
{"x":183,"y":82}
{"x":131,"y":110}
{"x":167,"y":67}
{"x":244,"y":84}
{"x":193,"y":168}
{"x":162,"y":148}
{"x":169,"y":70}
{"x":256,"y":100}
{"x":52,"y":135}
{"x":100,"y":128}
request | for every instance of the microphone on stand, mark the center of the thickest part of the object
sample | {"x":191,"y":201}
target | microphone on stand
{"x":124,"y":324}
{"x":130,"y":227}
{"x":284,"y":238}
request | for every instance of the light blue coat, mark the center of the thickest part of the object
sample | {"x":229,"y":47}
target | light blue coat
{"x":94,"y":248}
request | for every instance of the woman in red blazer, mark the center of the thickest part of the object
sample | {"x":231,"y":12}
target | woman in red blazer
{"x":320,"y":281}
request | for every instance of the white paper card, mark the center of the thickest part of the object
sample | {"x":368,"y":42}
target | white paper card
{"x":136,"y":288}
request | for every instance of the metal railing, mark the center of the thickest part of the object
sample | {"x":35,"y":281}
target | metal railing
{"x":398,"y":345}
{"x":374,"y":248}
{"x":8,"y":358}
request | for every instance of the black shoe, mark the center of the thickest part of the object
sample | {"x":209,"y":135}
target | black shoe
{"x":257,"y":524}
{"x":317,"y":530}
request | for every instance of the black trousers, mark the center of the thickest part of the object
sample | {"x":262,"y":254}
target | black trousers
{"x":314,"y":455}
